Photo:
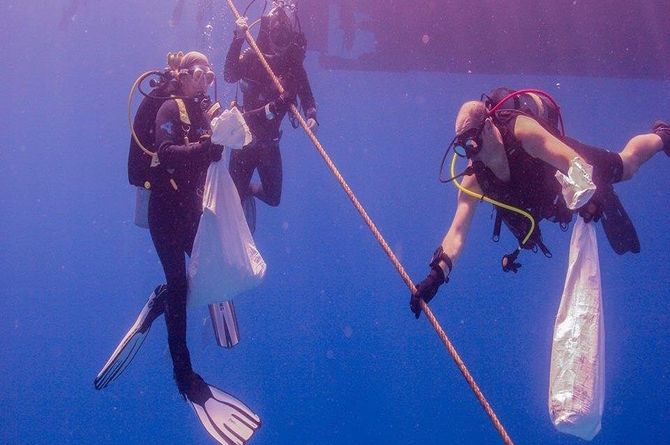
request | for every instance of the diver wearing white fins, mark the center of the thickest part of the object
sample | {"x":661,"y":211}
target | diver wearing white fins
{"x":175,"y":173}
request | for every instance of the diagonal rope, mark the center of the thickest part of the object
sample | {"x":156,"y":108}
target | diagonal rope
{"x":382,"y":242}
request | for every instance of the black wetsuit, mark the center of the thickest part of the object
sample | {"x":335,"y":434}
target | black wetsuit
{"x":174,"y":214}
{"x":258,"y":89}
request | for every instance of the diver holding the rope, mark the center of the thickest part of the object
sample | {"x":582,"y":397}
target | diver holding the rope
{"x":520,"y":161}
{"x":283,"y":44}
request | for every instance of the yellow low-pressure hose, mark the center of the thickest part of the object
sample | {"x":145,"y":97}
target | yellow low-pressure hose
{"x":481,"y":197}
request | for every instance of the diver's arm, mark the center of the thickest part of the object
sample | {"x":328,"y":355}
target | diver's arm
{"x":305,"y":93}
{"x":232,"y":68}
{"x":446,"y":254}
{"x":541,"y":144}
{"x":454,"y":240}
{"x":172,"y":151}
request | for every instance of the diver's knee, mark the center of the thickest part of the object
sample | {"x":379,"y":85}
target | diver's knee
{"x":273,"y":201}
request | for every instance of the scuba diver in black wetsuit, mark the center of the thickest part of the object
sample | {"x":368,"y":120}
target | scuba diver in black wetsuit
{"x":175,"y":174}
{"x":283,"y":45}
{"x":176,"y":203}
{"x":514,"y":151}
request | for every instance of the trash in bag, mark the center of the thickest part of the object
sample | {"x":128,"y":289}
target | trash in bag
{"x":577,"y":375}
{"x":224,"y":261}
{"x":230,"y":129}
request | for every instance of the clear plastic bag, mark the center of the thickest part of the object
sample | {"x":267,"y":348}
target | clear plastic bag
{"x":224,"y":261}
{"x":577,"y":376}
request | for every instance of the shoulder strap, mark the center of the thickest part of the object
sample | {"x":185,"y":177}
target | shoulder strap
{"x":183,"y":114}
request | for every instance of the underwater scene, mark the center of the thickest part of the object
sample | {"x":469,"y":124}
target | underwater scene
{"x":329,"y":110}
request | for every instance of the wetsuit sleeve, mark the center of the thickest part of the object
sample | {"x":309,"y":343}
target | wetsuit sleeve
{"x":305,"y":92}
{"x":172,"y":152}
{"x":233,"y":67}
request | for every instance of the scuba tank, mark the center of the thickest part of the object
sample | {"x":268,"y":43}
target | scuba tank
{"x":534,"y":103}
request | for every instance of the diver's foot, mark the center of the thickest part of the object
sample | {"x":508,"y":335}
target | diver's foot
{"x":186,"y":381}
{"x":198,"y":390}
{"x":663,"y":131}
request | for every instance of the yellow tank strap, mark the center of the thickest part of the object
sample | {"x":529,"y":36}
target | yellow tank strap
{"x":183,"y":114}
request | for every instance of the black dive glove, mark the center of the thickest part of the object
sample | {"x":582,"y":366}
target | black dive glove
{"x":593,"y":210}
{"x":427,"y":288}
{"x":212,"y":151}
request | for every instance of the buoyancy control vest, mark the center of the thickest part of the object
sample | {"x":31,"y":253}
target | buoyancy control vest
{"x":142,"y":150}
{"x":141,"y":159}
{"x":532,"y":187}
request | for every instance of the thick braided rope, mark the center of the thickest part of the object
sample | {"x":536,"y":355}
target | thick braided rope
{"x":382,"y":242}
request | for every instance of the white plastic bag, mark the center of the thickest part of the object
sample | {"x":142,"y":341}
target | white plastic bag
{"x":230,"y":129}
{"x":224,"y":260}
{"x":577,"y":187}
{"x":577,"y":376}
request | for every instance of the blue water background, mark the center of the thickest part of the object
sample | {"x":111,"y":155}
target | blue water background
{"x":330,"y":353}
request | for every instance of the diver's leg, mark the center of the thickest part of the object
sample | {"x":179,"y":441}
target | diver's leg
{"x":271,"y":175}
{"x":638,"y":151}
{"x":241,"y":167}
{"x":167,"y":236}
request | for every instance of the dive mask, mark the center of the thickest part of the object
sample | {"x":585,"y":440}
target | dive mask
{"x":199,"y":72}
{"x":468,"y":143}
{"x":284,"y":26}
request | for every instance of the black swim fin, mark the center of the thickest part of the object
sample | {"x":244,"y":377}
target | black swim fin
{"x":225,"y":418}
{"x":125,"y":352}
{"x":618,"y":227}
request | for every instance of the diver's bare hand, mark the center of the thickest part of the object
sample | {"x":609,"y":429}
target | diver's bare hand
{"x":241,"y":25}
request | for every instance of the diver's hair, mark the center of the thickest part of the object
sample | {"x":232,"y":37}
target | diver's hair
{"x":193,"y":58}
{"x":471,"y":115}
